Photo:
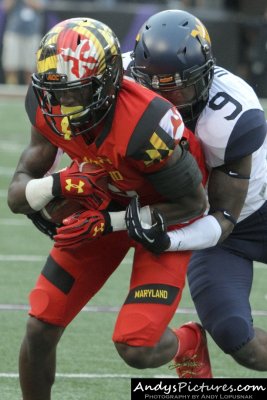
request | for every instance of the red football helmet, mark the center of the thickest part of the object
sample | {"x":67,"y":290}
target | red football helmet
{"x":79,"y":72}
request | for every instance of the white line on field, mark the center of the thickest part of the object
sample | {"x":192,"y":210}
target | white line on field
{"x":15,"y":221}
{"x":92,"y":309}
{"x":5,"y":171}
{"x":114,"y":309}
{"x":3,"y":193}
{"x":80,"y":376}
{"x":21,"y":257}
{"x":94,"y":376}
{"x":11,"y":147}
{"x":37,"y":258}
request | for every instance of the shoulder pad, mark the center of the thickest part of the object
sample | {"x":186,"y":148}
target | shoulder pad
{"x":149,"y":141}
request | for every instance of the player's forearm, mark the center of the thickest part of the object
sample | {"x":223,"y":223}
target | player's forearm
{"x":17,"y":200}
{"x":201,"y":234}
{"x":184,"y":209}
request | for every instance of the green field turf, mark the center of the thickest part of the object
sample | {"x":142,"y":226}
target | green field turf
{"x":88,"y":365}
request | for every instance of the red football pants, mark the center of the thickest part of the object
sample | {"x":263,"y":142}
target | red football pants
{"x":72,"y":276}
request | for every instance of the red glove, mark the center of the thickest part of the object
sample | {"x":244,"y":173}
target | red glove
{"x":86,"y":225}
{"x":82,"y":185}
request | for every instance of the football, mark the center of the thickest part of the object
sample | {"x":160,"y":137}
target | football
{"x":99,"y":172}
{"x":60,"y":208}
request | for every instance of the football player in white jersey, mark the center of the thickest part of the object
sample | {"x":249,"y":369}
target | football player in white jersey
{"x":173,"y":56}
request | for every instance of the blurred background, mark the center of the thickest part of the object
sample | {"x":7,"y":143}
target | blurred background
{"x":88,"y":365}
{"x":238,"y":28}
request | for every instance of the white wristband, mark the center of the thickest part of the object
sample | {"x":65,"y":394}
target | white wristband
{"x":117,"y":219}
{"x":201,"y":234}
{"x":38,"y":192}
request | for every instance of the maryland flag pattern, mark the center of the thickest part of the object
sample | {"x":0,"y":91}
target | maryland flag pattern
{"x":158,"y":149}
{"x":77,"y":47}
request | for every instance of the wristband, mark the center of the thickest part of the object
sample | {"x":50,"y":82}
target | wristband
{"x":201,"y":234}
{"x":38,"y":192}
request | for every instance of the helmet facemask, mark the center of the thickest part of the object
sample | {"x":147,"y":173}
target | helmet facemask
{"x":74,"y":106}
{"x":188,"y":93}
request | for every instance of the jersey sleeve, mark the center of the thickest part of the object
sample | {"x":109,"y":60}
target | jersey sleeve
{"x":152,"y":149}
{"x":232,"y":125}
{"x":247,"y":136}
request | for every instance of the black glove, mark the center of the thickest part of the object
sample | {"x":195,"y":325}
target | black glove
{"x":153,"y":238}
{"x":47,"y":227}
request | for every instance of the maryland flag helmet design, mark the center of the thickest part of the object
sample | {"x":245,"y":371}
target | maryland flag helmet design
{"x":173,"y":54}
{"x":79,"y":72}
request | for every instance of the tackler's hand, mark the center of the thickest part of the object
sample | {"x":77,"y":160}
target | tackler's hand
{"x":82,"y":226}
{"x":84,"y":182}
{"x":49,"y":228}
{"x":153,"y":237}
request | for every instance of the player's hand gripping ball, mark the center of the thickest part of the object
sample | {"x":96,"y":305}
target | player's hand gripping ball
{"x":81,"y":226}
{"x":59,"y":208}
{"x":81,"y":181}
{"x":86,"y":188}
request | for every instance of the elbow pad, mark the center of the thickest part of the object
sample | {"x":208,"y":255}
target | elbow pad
{"x":179,"y":179}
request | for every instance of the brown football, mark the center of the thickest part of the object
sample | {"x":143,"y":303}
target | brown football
{"x":101,"y":175}
{"x":60,"y":208}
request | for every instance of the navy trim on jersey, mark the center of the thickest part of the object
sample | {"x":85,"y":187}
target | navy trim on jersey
{"x":107,"y":127}
{"x":220,"y":72}
{"x":31,"y":105}
{"x":247,"y":136}
{"x":146,"y":126}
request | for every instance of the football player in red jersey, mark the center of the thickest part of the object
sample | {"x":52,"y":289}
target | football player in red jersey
{"x":80,"y":102}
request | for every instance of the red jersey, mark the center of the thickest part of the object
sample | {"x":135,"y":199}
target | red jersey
{"x":137,"y":140}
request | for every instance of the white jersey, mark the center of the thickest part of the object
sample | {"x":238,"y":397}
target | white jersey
{"x":227,"y":130}
{"x":126,"y":60}
{"x":231,"y":126}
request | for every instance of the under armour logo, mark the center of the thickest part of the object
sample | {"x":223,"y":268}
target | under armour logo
{"x":99,"y":229}
{"x":71,"y":185}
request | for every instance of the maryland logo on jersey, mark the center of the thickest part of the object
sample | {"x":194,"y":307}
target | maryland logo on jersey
{"x":159,"y":149}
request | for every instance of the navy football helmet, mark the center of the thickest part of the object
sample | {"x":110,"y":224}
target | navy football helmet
{"x":173,"y":56}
